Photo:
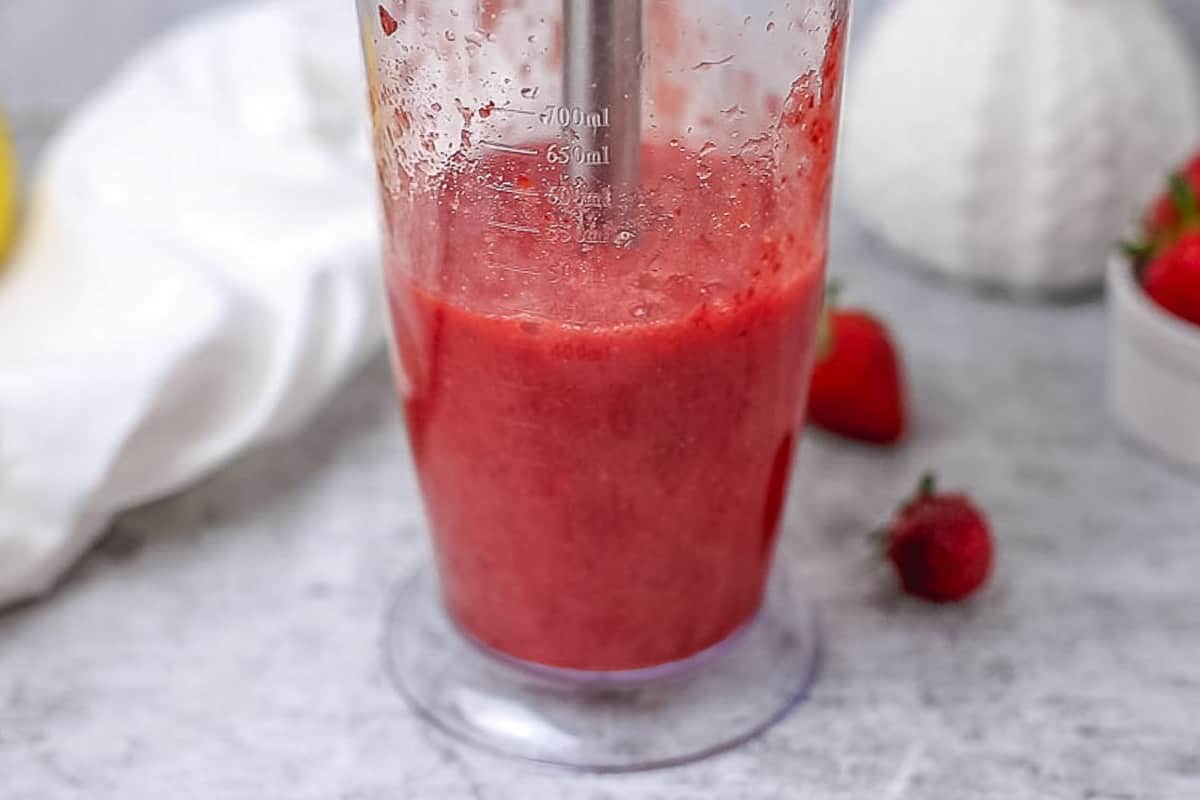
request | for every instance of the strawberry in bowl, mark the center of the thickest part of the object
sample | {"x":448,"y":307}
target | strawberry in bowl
{"x":1172,"y":280}
{"x":1154,"y":300}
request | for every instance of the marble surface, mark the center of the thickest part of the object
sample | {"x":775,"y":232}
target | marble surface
{"x":224,"y":644}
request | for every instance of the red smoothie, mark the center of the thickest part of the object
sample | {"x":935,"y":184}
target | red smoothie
{"x":604,"y":432}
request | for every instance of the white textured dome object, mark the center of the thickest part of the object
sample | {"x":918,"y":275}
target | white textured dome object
{"x":1011,"y":143}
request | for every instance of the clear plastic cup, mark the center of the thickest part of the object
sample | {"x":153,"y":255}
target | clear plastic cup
{"x":605,"y":240}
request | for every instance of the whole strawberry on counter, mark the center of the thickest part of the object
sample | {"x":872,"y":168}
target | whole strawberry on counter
{"x":940,"y":545}
{"x":1167,"y":258}
{"x":858,"y":384}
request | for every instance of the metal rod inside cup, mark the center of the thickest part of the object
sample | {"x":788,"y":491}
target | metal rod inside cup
{"x":602,"y":87}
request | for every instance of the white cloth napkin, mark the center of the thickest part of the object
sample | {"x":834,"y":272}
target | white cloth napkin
{"x":198,"y":274}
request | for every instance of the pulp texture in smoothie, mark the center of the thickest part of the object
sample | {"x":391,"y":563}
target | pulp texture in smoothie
{"x":603,"y":431}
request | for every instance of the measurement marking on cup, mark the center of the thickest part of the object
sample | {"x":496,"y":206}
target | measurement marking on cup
{"x":533,"y":273}
{"x":508,"y":226}
{"x":510,"y":110}
{"x":508,"y":148}
{"x":575,"y":117}
{"x":500,"y":187}
{"x":577,"y":154}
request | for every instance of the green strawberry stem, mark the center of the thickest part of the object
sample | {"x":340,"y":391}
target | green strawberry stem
{"x":1184,"y":199}
{"x":927,"y":487}
{"x":833,"y":292}
{"x":1138,"y":252}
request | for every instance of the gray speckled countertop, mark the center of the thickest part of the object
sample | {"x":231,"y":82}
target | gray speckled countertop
{"x":223,"y":644}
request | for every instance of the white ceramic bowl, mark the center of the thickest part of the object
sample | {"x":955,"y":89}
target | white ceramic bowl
{"x":1154,"y":372}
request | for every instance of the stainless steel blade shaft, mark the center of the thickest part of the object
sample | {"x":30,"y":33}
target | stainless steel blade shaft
{"x":602,"y":67}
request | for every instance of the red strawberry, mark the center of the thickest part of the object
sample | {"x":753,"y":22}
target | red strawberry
{"x":1174,"y":215}
{"x":1165,"y":213}
{"x":940,"y":545}
{"x":1173,"y":279}
{"x":388,"y":22}
{"x":858,"y":387}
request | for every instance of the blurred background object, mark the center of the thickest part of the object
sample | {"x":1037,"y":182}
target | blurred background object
{"x":198,"y":262}
{"x":1011,"y":144}
{"x":8,"y":191}
{"x":1185,"y":16}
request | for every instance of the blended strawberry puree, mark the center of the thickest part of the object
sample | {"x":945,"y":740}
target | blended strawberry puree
{"x":603,"y":432}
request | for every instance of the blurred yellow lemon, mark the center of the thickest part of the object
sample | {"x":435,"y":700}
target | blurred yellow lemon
{"x":8,"y":192}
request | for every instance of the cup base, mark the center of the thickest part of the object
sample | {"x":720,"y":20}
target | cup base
{"x":603,"y":721}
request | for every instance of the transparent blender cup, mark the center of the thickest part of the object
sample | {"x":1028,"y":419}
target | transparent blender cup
{"x":605,"y":240}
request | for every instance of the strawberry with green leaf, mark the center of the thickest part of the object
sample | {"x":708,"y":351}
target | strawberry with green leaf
{"x":1167,"y":259}
{"x":940,"y":545}
{"x":1174,"y":215}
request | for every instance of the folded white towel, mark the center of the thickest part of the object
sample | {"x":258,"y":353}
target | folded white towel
{"x":198,"y":274}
